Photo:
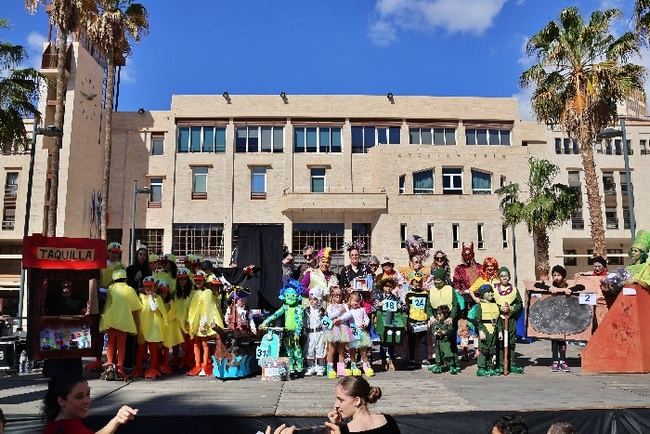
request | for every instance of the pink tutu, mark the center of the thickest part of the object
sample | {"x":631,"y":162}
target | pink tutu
{"x":338,"y":333}
{"x":363,"y":341}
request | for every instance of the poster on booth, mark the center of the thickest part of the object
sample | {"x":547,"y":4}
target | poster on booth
{"x":63,"y":312}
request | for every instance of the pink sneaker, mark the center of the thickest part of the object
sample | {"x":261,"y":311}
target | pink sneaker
{"x":564,"y":367}
{"x":555,"y":367}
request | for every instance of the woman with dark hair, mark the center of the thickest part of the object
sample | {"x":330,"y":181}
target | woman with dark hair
{"x":139,"y":269}
{"x":441,"y":261}
{"x":67,"y":402}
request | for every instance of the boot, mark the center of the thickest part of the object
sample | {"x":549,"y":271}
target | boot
{"x":341,"y":371}
{"x":435,"y":369}
{"x":454,"y":370}
{"x":482,"y":373}
{"x":153,"y":371}
{"x":331,"y":372}
{"x":354,"y":371}
{"x":368,"y":371}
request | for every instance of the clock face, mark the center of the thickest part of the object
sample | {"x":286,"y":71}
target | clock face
{"x":88,"y":98}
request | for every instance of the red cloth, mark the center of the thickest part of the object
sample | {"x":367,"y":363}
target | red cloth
{"x":465,"y":275}
{"x":66,"y":426}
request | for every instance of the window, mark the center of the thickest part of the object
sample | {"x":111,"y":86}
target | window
{"x":480,"y":235}
{"x":502,"y":181}
{"x":432,"y":136}
{"x":201,"y":139}
{"x":611,"y":218}
{"x":319,"y":235}
{"x":481,"y":182}
{"x":402,"y":184}
{"x":504,"y":236}
{"x":483,"y":137}
{"x":259,"y":139}
{"x":626,"y":217}
{"x":423,"y":182}
{"x":609,"y":185}
{"x":455,"y":235}
{"x":363,"y":232}
{"x":558,"y":145}
{"x":643,"y":144}
{"x":155,"y":197}
{"x":430,"y":235}
{"x":569,"y":260}
{"x":318,"y":180}
{"x":203,"y":239}
{"x":9,"y":218}
{"x":152,"y":239}
{"x":364,"y":138}
{"x":258,"y":183}
{"x":452,"y":180}
{"x":317,"y":139}
{"x":618,"y":147}
{"x":199,"y":182}
{"x":402,"y":235}
{"x":577,"y":222}
{"x":157,"y":144}
{"x":614,"y":257}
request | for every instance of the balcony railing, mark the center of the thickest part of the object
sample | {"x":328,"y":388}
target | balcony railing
{"x":8,"y":225}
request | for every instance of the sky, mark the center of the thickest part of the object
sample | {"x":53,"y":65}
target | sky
{"x":361,"y":47}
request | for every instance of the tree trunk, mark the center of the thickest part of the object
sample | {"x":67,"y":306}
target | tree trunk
{"x":594,"y":200}
{"x":61,"y":87}
{"x":108,"y":142}
{"x":542,"y":266}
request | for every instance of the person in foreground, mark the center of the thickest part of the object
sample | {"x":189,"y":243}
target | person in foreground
{"x":67,"y":402}
{"x":353,"y":394}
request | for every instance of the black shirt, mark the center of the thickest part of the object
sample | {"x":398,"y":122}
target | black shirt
{"x":347,"y":275}
{"x":390,"y":427}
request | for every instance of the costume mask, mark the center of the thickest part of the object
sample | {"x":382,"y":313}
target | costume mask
{"x":468,"y":253}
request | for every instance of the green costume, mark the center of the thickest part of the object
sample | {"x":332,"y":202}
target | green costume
{"x":293,"y":313}
{"x":509,"y":295}
{"x":486,"y":320}
{"x":638,"y":270}
{"x":445,"y":355}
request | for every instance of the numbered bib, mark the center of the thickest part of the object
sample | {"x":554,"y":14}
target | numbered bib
{"x":418,"y":303}
{"x":389,"y":306}
{"x":261,"y":353}
{"x":327,"y":322}
{"x":355,"y":331}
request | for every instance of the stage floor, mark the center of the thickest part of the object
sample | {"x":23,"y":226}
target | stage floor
{"x":404,"y":392}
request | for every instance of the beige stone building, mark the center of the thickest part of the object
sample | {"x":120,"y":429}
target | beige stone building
{"x":312,"y":169}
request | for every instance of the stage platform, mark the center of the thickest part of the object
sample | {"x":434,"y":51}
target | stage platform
{"x":422,"y":402}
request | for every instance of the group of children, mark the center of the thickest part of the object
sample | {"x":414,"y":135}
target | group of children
{"x":174,"y":313}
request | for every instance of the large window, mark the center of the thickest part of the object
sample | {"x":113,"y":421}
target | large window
{"x":423,"y":182}
{"x":201,"y":139}
{"x":317,"y":139}
{"x":319,"y":235}
{"x":364,"y":138}
{"x":203,"y":239}
{"x":484,"y":137}
{"x":318,"y":180}
{"x":152,"y":239}
{"x":432,"y":136}
{"x":157,"y":144}
{"x":199,"y":182}
{"x":577,"y":221}
{"x":155,"y":197}
{"x":363,"y":232}
{"x":259,"y":139}
{"x":452,"y":180}
{"x":258,"y":183}
{"x":481,"y":182}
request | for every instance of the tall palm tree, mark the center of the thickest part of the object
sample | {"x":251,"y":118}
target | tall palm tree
{"x":642,"y":16}
{"x":18,"y":94}
{"x":118,"y":23}
{"x":67,"y":16}
{"x":582,"y":72}
{"x":548,"y":206}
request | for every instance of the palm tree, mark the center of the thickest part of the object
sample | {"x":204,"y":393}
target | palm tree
{"x":642,"y":16}
{"x":548,"y":206}
{"x":118,"y":22}
{"x":18,"y":94}
{"x":67,"y":16}
{"x":582,"y":72}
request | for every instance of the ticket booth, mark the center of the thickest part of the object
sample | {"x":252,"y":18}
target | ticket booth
{"x":62,"y":276}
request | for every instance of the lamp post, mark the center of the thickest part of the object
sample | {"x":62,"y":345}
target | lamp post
{"x":49,"y":131}
{"x":136,"y":191}
{"x":609,"y":133}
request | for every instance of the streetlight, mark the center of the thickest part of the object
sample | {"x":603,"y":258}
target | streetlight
{"x":136,"y":191}
{"x":609,"y":133}
{"x":49,"y":131}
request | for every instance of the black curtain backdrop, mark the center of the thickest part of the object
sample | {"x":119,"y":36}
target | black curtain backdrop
{"x":261,"y":245}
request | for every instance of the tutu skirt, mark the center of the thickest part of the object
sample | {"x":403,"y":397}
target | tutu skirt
{"x":338,"y":333}
{"x":363,"y":341}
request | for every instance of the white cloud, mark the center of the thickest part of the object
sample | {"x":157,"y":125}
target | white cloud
{"x":523,"y":101}
{"x":525,"y":60}
{"x":520,"y":2}
{"x":462,"y":16}
{"x":128,"y":73}
{"x":35,"y":42}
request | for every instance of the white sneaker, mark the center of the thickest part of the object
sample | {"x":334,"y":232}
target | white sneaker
{"x":310,"y":371}
{"x":319,"y":370}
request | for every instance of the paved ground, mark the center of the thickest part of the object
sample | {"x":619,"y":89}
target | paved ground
{"x":537,"y":389}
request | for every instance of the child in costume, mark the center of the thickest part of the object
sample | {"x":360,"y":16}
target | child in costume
{"x":419,"y":320}
{"x":182,"y":297}
{"x":387,"y":304}
{"x":315,"y":350}
{"x":465,"y":274}
{"x":486,"y":320}
{"x":153,"y":317}
{"x":336,"y":335}
{"x":216,"y":286}
{"x":172,"y":334}
{"x":203,"y":315}
{"x":239,"y":317}
{"x":442,"y":294}
{"x":118,"y":320}
{"x":360,"y":340}
{"x":293,"y":312}
{"x":445,"y":337}
{"x":168,"y":271}
{"x":510,"y":304}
